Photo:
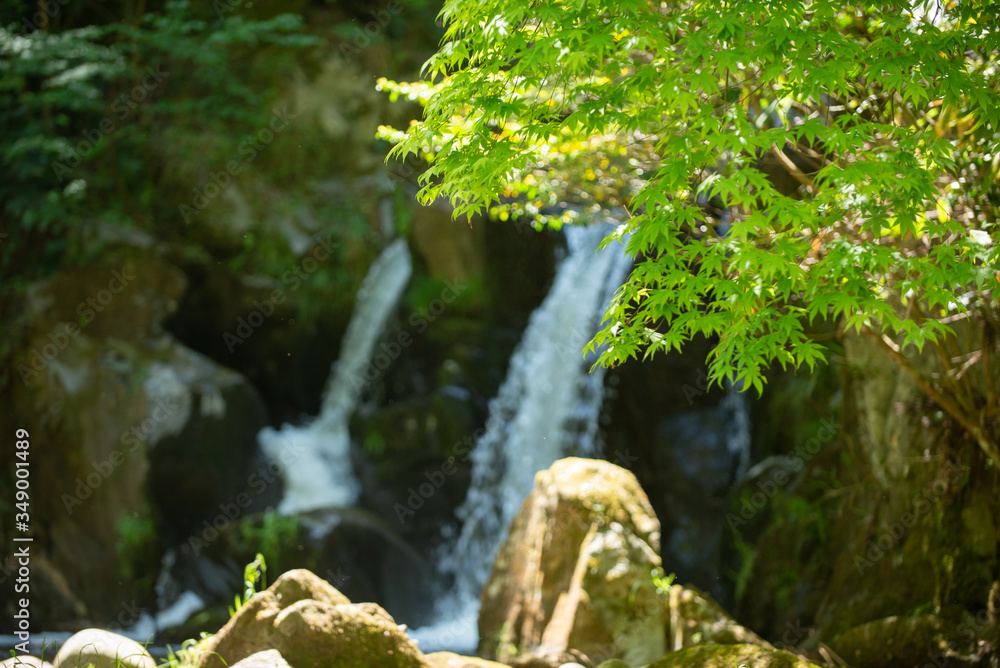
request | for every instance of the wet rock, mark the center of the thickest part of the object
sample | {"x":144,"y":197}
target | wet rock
{"x":569,"y":576}
{"x":674,"y":431}
{"x":102,"y":649}
{"x":416,"y":467}
{"x":730,"y":656}
{"x":363,"y":556}
{"x":237,"y":321}
{"x":202,"y":460}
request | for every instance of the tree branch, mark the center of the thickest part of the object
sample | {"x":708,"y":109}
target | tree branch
{"x":942,"y":400}
{"x":790,"y":167}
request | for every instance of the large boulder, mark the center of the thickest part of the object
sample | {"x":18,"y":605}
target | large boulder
{"x":318,"y":635}
{"x":102,"y":649}
{"x":121,"y":410}
{"x":312,"y":625}
{"x":571,"y":574}
{"x":730,"y":656}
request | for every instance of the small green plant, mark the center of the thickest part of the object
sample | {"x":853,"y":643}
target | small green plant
{"x":748,"y":553}
{"x":658,"y":578}
{"x":255,"y":573}
{"x":188,"y":655}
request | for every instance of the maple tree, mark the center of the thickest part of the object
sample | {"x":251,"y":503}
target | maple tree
{"x":771,"y":164}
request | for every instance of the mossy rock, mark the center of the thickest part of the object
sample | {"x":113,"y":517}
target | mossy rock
{"x":539,"y":602}
{"x":320,"y":635}
{"x":913,"y":641}
{"x":730,"y":656}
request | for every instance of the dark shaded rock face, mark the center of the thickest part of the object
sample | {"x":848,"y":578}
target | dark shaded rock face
{"x":197,"y":473}
{"x":415,"y":469}
{"x":665,"y":424}
{"x":351,"y":548}
{"x":884,"y":511}
{"x":103,"y":391}
{"x":253,"y":325}
{"x":917,"y":641}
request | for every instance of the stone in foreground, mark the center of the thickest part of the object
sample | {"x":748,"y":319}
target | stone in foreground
{"x":24,"y":661}
{"x":452,"y":660}
{"x":311,"y":625}
{"x":102,"y":649}
{"x":267,"y":659}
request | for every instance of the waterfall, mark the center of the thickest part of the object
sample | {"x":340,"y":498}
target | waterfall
{"x":738,"y":436}
{"x":547,"y":408}
{"x":316,"y":456}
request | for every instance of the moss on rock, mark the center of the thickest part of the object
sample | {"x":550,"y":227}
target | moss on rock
{"x":730,"y":656}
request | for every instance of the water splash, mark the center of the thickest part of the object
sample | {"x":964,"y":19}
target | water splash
{"x":316,"y":456}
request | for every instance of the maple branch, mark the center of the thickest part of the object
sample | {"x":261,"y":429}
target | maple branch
{"x":942,"y":400}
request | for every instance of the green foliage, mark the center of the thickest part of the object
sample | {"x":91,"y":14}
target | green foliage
{"x":85,"y":115}
{"x":374,"y":444}
{"x":254,"y":574}
{"x":747,"y":555}
{"x":658,"y":579}
{"x":269,"y":534}
{"x":778,"y":163}
{"x":186,"y":655}
{"x":136,"y":549}
{"x":45,"y":78}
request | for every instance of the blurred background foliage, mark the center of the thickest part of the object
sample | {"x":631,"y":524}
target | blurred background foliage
{"x":115,"y":113}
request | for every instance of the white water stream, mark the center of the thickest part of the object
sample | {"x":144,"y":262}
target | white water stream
{"x":316,"y":456}
{"x":547,"y":408}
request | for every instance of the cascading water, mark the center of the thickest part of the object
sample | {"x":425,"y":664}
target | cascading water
{"x":738,"y":437}
{"x":316,"y":456}
{"x":547,"y":407}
